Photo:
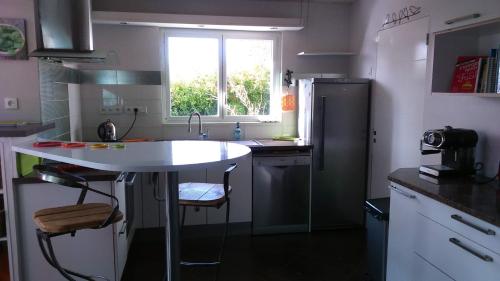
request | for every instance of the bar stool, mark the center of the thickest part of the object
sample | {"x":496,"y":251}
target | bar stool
{"x":58,"y":221}
{"x":196,"y":194}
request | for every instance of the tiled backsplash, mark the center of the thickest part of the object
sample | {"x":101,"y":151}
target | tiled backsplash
{"x":54,"y":98}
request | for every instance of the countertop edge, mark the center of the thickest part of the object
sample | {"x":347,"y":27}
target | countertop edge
{"x":91,"y":178}
{"x":145,"y":166}
{"x":443,"y":200}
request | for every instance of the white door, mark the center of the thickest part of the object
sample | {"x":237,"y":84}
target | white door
{"x":398,"y":102}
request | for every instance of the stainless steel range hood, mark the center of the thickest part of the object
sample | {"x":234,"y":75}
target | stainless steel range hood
{"x":64,"y":31}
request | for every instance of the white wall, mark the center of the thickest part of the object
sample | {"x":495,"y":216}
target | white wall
{"x":19,"y":78}
{"x":467,"y":112}
{"x":139,"y":48}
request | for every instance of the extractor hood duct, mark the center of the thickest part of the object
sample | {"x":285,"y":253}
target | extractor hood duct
{"x":64,"y":31}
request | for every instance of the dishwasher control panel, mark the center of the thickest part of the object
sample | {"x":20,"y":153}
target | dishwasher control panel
{"x":282,"y":160}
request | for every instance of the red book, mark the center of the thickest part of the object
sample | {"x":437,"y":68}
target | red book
{"x":467,"y":74}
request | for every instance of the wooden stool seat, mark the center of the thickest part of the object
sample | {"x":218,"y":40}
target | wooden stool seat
{"x":74,"y":217}
{"x":202,"y":194}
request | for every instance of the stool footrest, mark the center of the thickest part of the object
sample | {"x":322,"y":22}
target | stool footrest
{"x":199,"y":264}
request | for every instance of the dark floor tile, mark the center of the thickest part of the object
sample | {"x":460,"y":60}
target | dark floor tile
{"x":321,"y":256}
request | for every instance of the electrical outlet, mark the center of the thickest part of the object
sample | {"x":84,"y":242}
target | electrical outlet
{"x":140,"y":109}
{"x":111,"y":109}
{"x":11,"y":103}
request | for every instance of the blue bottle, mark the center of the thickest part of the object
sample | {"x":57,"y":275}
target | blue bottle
{"x":237,"y":132}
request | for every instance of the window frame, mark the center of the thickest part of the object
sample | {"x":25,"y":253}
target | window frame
{"x":222,"y":36}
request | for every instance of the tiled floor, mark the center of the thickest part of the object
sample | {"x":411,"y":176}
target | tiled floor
{"x":323,"y":256}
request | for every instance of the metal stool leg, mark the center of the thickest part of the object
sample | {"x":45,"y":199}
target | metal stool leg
{"x":221,"y":251}
{"x":223,"y":245}
{"x":52,"y":260}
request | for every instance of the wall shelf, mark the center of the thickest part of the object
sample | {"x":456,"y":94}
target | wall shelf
{"x":326,"y":54}
{"x":447,"y":46}
{"x":481,"y":95}
{"x":198,"y":21}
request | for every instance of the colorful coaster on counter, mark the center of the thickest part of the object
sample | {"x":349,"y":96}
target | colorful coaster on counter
{"x":47,"y":144}
{"x":118,"y":146}
{"x":73,"y":145}
{"x":99,"y":146}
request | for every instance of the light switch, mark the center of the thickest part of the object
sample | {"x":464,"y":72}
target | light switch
{"x":11,"y":103}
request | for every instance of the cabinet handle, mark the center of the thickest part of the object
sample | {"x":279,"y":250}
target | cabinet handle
{"x":322,"y":138}
{"x":122,"y":230}
{"x":405,"y":194}
{"x":457,"y":242}
{"x":476,"y":227}
{"x":462,"y":18}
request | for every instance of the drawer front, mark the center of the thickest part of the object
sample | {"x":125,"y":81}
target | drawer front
{"x":404,"y":204}
{"x":479,"y":231}
{"x":453,"y":254}
{"x":422,"y":270}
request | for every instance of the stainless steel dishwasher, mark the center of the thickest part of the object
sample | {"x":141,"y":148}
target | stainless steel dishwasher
{"x":281,"y":192}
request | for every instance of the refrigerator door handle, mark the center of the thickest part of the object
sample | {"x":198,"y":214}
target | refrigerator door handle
{"x":321,"y":158}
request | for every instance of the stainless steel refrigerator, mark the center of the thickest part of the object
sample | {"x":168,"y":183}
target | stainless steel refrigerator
{"x":334,"y":115}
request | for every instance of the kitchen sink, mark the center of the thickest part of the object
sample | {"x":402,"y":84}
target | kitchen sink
{"x":248,"y":142}
{"x":242,"y":142}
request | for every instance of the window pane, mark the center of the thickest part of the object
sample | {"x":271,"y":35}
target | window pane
{"x":194,"y":75}
{"x":249,"y":65}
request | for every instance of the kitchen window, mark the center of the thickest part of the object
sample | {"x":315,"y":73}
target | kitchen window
{"x":226,"y":76}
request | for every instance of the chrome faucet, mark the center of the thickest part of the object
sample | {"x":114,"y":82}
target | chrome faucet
{"x":200,"y":129}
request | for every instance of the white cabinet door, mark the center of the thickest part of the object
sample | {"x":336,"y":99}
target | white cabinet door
{"x":241,"y":196}
{"x":422,"y":270}
{"x":89,"y":252}
{"x":401,"y":233}
{"x":479,"y":231}
{"x":150,"y":207}
{"x":120,"y":233}
{"x":457,"y":256}
{"x":194,"y":216}
{"x":458,"y":11}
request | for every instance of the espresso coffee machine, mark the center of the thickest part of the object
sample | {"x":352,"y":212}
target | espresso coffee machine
{"x":457,"y":151}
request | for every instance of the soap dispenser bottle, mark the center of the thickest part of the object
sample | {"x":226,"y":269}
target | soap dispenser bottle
{"x":237,"y":132}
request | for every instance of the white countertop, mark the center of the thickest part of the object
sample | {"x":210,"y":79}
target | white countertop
{"x":144,"y":156}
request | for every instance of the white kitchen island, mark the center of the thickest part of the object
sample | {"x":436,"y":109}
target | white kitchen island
{"x":169,"y":157}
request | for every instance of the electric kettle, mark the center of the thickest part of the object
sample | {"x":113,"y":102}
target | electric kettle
{"x":107,"y":131}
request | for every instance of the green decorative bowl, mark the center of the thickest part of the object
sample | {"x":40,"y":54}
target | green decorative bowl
{"x":12,"y":40}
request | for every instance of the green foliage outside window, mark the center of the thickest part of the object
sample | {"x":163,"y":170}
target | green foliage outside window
{"x":248,"y":94}
{"x":199,"y":95}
